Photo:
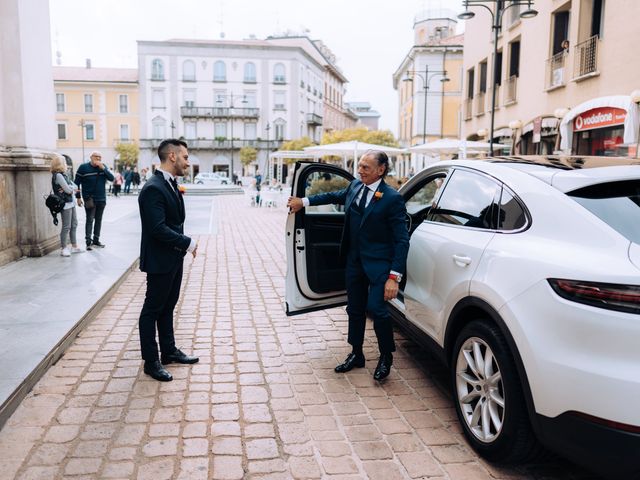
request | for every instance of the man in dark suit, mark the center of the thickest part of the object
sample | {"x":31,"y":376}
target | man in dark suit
{"x":162,"y":248}
{"x":376,"y":242}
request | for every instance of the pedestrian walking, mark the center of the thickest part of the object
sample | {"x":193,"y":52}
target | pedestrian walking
{"x":135,"y":179}
{"x":162,"y":250}
{"x":128,"y":179}
{"x":65,"y":188}
{"x":91,"y":178}
{"x":376,"y":243}
{"x":117,"y":184}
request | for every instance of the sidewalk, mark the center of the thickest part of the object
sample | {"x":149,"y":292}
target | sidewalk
{"x":46,"y":301}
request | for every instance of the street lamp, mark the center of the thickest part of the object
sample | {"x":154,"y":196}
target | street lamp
{"x":231,"y":107}
{"x":266,"y":174}
{"x":496,"y":25}
{"x":82,"y":124}
{"x":425,"y":82}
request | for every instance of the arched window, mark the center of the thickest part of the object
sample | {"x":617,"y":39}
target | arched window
{"x":219,"y":71}
{"x":157,"y":69}
{"x":188,"y":71}
{"x":279,"y":75}
{"x":250,"y":72}
{"x":280,"y":125}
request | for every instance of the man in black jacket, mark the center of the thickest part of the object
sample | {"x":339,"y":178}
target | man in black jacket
{"x":91,"y":178}
{"x":162,"y":249}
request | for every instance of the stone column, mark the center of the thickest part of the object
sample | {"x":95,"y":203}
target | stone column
{"x":27,"y":129}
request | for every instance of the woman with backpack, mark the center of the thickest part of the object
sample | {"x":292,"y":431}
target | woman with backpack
{"x":64,"y":188}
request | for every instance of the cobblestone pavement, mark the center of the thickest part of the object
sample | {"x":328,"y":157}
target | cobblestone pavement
{"x":263,"y":402}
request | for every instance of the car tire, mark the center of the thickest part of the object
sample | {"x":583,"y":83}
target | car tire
{"x":489,"y":400}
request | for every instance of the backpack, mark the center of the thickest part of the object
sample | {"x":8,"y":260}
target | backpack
{"x":54,"y":202}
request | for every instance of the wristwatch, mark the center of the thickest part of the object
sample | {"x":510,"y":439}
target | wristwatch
{"x":396,"y":276}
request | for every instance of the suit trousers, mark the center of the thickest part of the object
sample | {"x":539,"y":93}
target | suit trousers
{"x":94,"y":215}
{"x":163,"y":291}
{"x":365,"y":296}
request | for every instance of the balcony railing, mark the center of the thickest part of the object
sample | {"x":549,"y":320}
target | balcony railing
{"x":556,"y":70}
{"x":480,"y":103}
{"x":511,"y":90}
{"x":586,"y":57}
{"x":207,"y":144}
{"x":219,"y":112}
{"x":468,"y":108}
{"x":314,"y":119}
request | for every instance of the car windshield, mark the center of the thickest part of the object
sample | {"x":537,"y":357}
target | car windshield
{"x":616,"y":203}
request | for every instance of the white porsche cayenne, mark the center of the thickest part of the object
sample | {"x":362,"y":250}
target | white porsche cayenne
{"x":524,"y":276}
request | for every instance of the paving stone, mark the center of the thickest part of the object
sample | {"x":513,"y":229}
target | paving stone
{"x":383,"y":470}
{"x":372,"y":450}
{"x":304,"y":467}
{"x":261,"y":449}
{"x":227,"y":468}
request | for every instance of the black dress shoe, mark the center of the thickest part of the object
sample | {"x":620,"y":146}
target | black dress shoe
{"x":155,"y":370}
{"x":178,"y":356}
{"x":384,"y":367}
{"x":89,"y":246}
{"x":352,"y":361}
{"x":96,"y":243}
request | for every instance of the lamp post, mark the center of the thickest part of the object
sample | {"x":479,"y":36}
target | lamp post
{"x":231,"y":107}
{"x":496,"y":25}
{"x":266,"y":175}
{"x":82,"y":124}
{"x":173,"y":127}
{"x":425,"y":82}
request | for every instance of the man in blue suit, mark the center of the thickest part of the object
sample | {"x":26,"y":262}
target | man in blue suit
{"x":376,"y":242}
{"x":162,"y":249}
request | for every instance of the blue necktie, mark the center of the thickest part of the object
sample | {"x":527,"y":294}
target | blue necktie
{"x":363,"y":201}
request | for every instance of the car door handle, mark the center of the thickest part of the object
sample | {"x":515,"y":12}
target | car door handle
{"x":461,"y":260}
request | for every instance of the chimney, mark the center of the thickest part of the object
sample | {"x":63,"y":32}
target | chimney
{"x":88,"y":63}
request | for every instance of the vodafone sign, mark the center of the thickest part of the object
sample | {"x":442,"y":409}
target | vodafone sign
{"x":599,"y":118}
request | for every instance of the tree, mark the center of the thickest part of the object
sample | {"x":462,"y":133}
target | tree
{"x":248,"y":155}
{"x":128,"y":154}
{"x":297,"y":144}
{"x":362,"y":134}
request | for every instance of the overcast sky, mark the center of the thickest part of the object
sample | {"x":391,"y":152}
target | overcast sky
{"x":369,"y":37}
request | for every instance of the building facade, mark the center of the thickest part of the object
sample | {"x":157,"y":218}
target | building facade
{"x":429,"y":83}
{"x":96,"y":109}
{"x":365,"y":115}
{"x":564,"y":79}
{"x":223,"y":95}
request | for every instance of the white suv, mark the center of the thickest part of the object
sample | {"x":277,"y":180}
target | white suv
{"x":211,"y":178}
{"x":525,"y":278}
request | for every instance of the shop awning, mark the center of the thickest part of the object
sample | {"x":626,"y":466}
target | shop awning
{"x":631,"y":122}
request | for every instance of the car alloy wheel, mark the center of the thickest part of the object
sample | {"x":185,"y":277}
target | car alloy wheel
{"x":488,"y":395}
{"x":480,"y":390}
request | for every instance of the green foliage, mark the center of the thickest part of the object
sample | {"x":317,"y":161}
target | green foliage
{"x":362,"y":134}
{"x":297,"y":144}
{"x":248,"y":155}
{"x":129,"y":153}
{"x":324,"y":185}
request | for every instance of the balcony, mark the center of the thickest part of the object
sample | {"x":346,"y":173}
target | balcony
{"x":314,"y":119}
{"x":555,"y":75}
{"x":511,"y":90}
{"x":480,"y":103}
{"x":586,"y":58}
{"x":219,"y":112}
{"x":468,"y":108}
{"x":208,"y":144}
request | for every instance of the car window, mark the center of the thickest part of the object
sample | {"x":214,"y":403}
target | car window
{"x":512,"y":215}
{"x":616,"y":203}
{"x":425,"y":196}
{"x":469,"y":199}
{"x":323,"y":182}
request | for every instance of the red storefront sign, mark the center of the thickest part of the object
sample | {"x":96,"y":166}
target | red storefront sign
{"x":599,"y":118}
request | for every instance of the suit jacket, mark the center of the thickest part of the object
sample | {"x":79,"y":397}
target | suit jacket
{"x":383,"y":239}
{"x":163,"y":243}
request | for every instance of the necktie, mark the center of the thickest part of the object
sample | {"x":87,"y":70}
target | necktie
{"x":174,"y":184}
{"x":363,"y":201}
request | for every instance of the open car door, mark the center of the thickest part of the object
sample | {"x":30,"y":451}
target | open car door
{"x":315,"y":272}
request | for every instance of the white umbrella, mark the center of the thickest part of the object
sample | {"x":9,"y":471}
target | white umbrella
{"x":450,"y":146}
{"x":352,"y":147}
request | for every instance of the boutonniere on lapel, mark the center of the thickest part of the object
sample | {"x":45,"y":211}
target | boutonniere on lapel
{"x":377,"y":196}
{"x":182,"y":189}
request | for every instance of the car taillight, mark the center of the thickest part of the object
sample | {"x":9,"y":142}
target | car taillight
{"x":612,"y":296}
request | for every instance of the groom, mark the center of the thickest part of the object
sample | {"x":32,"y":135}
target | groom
{"x":376,"y":242}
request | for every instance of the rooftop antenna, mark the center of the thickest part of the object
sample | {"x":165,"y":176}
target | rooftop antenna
{"x":221,"y":21}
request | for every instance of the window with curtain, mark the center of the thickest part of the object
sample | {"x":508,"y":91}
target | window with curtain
{"x":278,"y":100}
{"x":88,"y":103}
{"x":157,"y":69}
{"x":279,"y":73}
{"x":190,"y":130}
{"x":123,"y":103}
{"x":89,"y":131}
{"x":189,"y":97}
{"x":159,"y":127}
{"x":280,"y":127}
{"x":250,"y":131}
{"x":220,"y":130}
{"x":188,"y":71}
{"x":60,"y":102}
{"x":124,"y":132}
{"x":219,"y":71}
{"x":62,"y":131}
{"x":250,"y":72}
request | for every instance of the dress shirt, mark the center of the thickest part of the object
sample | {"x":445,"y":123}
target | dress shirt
{"x":168,"y":178}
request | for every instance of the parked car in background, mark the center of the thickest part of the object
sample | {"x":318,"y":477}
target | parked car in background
{"x":523,"y":276}
{"x":211,"y":178}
